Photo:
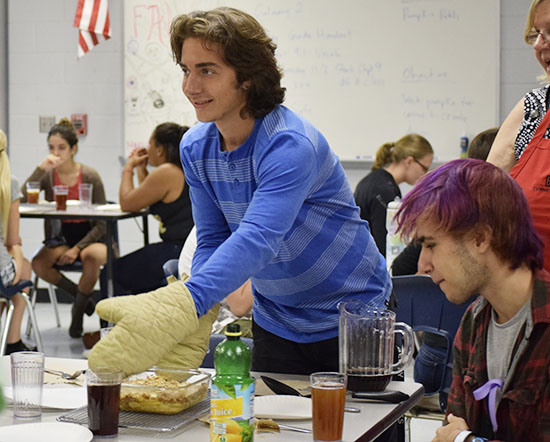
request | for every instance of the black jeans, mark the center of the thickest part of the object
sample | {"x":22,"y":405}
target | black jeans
{"x":274,"y":354}
{"x":140,"y":271}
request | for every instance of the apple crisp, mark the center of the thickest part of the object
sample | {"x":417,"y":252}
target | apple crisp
{"x":158,"y":394}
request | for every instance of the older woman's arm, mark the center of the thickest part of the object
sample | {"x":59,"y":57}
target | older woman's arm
{"x":502,"y":150}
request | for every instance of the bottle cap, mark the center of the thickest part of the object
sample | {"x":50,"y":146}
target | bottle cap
{"x":233,"y":330}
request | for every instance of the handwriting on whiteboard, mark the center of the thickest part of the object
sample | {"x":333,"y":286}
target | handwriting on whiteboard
{"x":363,"y":72}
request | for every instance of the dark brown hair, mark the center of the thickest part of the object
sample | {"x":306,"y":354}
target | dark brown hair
{"x":65,"y":130}
{"x":245,"y":46}
{"x":168,"y":136}
{"x":481,"y":144}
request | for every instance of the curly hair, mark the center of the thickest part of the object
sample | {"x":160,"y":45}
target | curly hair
{"x":245,"y":46}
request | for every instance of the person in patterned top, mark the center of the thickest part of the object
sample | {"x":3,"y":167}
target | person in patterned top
{"x":522,"y":145}
{"x":477,"y":236}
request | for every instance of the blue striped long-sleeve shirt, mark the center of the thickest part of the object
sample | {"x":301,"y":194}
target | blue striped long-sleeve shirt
{"x":279,"y":210}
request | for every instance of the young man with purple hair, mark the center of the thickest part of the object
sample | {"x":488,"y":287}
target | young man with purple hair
{"x":477,"y":236}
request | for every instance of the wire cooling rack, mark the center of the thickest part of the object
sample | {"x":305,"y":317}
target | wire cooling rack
{"x":144,"y":421}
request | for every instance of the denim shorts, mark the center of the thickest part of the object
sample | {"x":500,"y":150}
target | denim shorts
{"x":8,"y":273}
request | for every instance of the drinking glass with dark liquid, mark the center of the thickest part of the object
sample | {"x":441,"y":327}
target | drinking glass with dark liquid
{"x":328,"y":395}
{"x":103,"y":387}
{"x":61,"y":193}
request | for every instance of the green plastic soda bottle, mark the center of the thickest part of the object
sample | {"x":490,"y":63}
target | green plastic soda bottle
{"x":232,"y":393}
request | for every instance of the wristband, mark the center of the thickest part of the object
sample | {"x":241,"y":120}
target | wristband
{"x":462,"y":436}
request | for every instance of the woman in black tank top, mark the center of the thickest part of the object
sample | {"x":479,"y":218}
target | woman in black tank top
{"x":163,"y":190}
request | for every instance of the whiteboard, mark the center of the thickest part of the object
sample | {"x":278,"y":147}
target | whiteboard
{"x":364,"y":72}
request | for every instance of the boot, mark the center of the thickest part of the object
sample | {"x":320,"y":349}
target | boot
{"x":80,"y":305}
{"x":69,"y":286}
{"x":90,"y":307}
{"x":72,"y":289}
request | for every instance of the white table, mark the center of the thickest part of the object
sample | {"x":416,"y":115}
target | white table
{"x":110,"y":213}
{"x":373,"y":419}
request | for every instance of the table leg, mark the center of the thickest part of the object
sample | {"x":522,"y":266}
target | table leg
{"x":110,"y":258}
{"x":145,"y":230}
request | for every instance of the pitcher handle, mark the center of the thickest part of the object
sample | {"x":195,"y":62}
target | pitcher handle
{"x":407,"y":348}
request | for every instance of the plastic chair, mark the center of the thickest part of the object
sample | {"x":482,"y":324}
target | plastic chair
{"x":215,"y":339}
{"x":6,"y":293}
{"x":422,"y":305}
{"x":170,"y":268}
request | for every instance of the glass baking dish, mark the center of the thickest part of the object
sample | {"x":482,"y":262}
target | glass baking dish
{"x":163,"y":391}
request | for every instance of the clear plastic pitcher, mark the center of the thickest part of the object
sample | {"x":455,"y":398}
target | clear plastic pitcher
{"x":367,"y":343}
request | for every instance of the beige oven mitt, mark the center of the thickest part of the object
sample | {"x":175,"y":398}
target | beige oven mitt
{"x":159,"y":327}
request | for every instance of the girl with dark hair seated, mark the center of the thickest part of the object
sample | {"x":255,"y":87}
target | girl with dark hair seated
{"x":163,"y":190}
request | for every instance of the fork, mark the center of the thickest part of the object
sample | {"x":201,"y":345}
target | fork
{"x":293,"y":428}
{"x":64,"y":375}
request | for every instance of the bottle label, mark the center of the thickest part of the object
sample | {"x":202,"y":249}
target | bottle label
{"x":232,"y":412}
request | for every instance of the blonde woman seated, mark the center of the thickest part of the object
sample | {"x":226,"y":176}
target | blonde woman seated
{"x":69,"y":240}
{"x":13,"y":266}
{"x":402,"y":161}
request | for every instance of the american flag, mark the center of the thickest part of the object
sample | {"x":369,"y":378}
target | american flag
{"x":92,"y":21}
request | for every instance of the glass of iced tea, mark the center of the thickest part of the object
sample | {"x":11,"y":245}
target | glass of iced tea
{"x":33,"y":190}
{"x":328,"y":395}
{"x":61,"y":193}
{"x":103,"y":386}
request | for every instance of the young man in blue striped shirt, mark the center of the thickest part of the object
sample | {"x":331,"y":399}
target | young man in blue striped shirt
{"x":271,"y":204}
{"x":270,"y":199}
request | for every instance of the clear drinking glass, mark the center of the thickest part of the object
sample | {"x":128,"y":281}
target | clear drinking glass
{"x":328,"y":396}
{"x":85,"y":194}
{"x":104,"y":331}
{"x":27,"y":378}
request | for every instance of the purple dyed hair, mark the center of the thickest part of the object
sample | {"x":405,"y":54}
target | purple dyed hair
{"x":464,"y":194}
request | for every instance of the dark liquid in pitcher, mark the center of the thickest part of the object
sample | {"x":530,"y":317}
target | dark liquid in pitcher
{"x":103,"y":407}
{"x":368,"y":383}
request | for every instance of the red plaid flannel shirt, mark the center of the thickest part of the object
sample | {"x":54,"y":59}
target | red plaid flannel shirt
{"x":524,"y":411}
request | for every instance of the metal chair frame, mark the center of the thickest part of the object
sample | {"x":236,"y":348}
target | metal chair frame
{"x":52,"y":292}
{"x":6,"y":293}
